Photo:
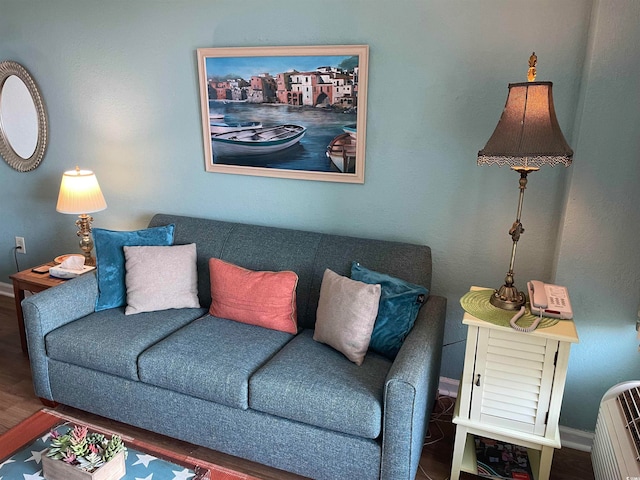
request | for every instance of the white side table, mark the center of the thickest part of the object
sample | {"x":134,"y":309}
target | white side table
{"x":511,"y":390}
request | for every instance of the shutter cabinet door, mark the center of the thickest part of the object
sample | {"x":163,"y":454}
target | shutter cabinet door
{"x":513,"y":380}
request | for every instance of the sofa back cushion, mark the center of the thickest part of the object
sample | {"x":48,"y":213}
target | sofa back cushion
{"x":307,"y":254}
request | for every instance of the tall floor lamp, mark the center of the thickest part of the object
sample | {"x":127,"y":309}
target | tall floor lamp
{"x":80,"y":194}
{"x":527,"y":136}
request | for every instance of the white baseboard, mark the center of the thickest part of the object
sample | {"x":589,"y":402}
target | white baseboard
{"x":576,"y":439}
{"x":448,"y":387}
{"x":6,"y":289}
{"x":569,"y":437}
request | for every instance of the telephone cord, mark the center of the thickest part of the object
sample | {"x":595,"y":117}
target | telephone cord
{"x":528,"y":329}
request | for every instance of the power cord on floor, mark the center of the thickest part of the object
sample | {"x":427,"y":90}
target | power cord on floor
{"x":15,"y":257}
{"x":426,"y":474}
{"x":443,"y":413}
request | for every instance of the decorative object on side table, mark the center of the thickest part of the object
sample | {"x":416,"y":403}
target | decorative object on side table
{"x":80,"y":194}
{"x":83,"y":455}
{"x":527,"y":136}
{"x":70,"y":267}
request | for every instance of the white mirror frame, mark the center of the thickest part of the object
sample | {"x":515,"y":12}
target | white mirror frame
{"x":7,"y":151}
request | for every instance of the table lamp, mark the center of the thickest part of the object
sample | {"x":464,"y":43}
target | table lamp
{"x":80,"y":194}
{"x":527,"y":137}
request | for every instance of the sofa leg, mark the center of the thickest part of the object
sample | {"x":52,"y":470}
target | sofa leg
{"x":48,"y":403}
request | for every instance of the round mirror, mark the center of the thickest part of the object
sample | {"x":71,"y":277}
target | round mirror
{"x":23,"y":120}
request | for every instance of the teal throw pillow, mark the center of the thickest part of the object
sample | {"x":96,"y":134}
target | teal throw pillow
{"x":112,"y":290}
{"x":400,"y":302}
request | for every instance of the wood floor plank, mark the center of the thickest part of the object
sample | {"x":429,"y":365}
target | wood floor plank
{"x":22,"y":433}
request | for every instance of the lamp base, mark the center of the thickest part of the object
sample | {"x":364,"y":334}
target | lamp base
{"x":507,"y":297}
{"x":86,"y":243}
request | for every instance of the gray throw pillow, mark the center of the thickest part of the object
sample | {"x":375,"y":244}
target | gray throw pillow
{"x":159,"y":278}
{"x":346,"y":314}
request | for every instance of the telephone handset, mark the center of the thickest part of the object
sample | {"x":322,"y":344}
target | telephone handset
{"x":549,"y":300}
{"x":544,"y":300}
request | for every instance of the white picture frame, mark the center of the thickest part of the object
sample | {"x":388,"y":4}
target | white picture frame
{"x":308,"y":104}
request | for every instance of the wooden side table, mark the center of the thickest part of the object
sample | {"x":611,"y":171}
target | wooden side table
{"x":30,"y":281}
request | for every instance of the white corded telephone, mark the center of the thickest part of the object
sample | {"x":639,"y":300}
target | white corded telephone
{"x":545,"y":300}
{"x":549,"y":300}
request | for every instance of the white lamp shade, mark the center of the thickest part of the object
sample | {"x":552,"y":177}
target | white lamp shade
{"x":80,"y":193}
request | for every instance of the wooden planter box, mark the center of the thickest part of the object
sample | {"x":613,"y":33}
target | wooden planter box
{"x":52,"y":469}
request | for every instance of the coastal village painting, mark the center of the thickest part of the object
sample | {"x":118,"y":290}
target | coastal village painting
{"x":291,"y":112}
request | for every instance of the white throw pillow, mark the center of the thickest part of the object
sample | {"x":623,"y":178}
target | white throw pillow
{"x":346,"y":314}
{"x":159,"y":278}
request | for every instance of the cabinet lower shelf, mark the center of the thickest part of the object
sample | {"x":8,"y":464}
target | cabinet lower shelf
{"x":470,"y":465}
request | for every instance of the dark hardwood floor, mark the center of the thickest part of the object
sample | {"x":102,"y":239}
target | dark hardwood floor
{"x":17,"y":402}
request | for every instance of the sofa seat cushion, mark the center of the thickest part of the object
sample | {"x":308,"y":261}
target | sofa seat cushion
{"x":312,"y":383}
{"x":110,"y":342}
{"x":212,"y":359}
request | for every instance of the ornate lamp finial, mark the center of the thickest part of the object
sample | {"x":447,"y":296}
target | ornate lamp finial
{"x":531,"y":74}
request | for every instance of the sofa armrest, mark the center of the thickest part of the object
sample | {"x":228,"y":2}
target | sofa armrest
{"x":49,"y":310}
{"x":410,"y":392}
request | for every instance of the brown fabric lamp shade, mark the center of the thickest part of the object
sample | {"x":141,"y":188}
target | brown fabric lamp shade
{"x":527,"y":135}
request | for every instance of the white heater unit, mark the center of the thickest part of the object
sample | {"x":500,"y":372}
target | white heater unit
{"x":616,"y":446}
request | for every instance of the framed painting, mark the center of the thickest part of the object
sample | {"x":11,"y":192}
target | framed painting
{"x":289,"y":112}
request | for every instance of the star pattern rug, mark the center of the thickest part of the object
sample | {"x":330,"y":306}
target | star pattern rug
{"x":26,"y":464}
{"x":22,"y":448}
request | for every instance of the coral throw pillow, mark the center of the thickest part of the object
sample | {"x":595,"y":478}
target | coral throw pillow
{"x":266,"y":299}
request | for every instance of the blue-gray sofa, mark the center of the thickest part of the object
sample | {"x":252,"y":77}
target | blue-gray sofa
{"x":268,"y":396}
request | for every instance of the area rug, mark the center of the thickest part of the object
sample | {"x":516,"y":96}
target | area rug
{"x":22,"y":447}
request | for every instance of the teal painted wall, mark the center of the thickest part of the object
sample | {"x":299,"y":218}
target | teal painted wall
{"x":598,"y":255}
{"x":119,"y":80}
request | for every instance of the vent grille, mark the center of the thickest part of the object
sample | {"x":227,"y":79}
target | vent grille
{"x":630,"y":403}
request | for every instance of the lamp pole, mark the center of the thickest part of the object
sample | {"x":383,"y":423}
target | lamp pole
{"x":507,"y":296}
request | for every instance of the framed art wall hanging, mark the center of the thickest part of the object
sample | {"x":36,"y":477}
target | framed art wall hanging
{"x":289,"y":112}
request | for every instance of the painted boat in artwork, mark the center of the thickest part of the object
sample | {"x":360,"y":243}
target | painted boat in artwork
{"x":222,"y":127}
{"x":351,"y":130}
{"x":342,"y":152}
{"x":256,"y":141}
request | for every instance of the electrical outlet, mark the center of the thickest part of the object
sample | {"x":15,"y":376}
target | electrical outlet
{"x":20,"y":245}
